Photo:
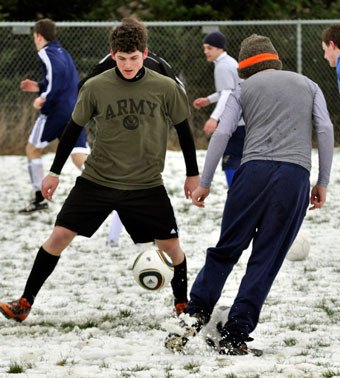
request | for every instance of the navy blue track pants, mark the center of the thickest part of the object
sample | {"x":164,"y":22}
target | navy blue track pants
{"x":266,"y":204}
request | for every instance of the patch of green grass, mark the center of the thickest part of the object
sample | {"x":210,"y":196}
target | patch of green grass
{"x":328,"y":310}
{"x":331,"y":373}
{"x":168,"y":373}
{"x":125,"y":313}
{"x":303,"y":353}
{"x":308,"y":269}
{"x":155,"y":326}
{"x":69,"y":326}
{"x":292,"y":326}
{"x":104,"y":365}
{"x":311,"y":278}
{"x":62,"y":362}
{"x":109,"y":318}
{"x":290,"y":342}
{"x":136,"y":369}
{"x":15,"y":368}
{"x":192,"y":366}
{"x":88,"y":324}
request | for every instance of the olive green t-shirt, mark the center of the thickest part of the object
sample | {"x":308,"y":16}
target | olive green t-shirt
{"x":132,"y":123}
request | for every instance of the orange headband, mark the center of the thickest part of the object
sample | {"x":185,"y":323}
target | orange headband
{"x":257,"y":59}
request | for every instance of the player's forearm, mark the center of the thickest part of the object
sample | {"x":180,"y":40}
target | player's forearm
{"x":325,"y":137}
{"x":186,"y":141}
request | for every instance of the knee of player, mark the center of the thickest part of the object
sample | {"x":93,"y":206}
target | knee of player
{"x":60,"y":238}
{"x":172,"y":248}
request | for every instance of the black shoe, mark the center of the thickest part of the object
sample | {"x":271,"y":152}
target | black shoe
{"x":34,"y":206}
{"x":189,"y":326}
{"x":232,"y":346}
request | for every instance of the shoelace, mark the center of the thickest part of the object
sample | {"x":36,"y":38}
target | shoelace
{"x":23,"y":304}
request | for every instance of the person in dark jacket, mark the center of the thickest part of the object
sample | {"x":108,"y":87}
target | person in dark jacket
{"x":57,"y":96}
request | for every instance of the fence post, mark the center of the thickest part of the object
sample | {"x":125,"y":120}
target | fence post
{"x":299,"y":47}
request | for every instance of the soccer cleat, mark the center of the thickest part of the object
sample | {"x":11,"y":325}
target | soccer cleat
{"x":181,"y":307}
{"x":230,"y":345}
{"x":233,"y":348}
{"x":17,"y":310}
{"x":189,"y":326}
{"x":34,"y":206}
{"x":237,"y":348}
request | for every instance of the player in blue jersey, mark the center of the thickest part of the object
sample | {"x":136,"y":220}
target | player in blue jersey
{"x":57,"y":96}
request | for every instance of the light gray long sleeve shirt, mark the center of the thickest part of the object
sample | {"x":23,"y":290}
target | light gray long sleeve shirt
{"x":226,"y":78}
{"x":279,"y":109}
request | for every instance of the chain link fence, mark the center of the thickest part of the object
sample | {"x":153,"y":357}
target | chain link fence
{"x":180,"y":43}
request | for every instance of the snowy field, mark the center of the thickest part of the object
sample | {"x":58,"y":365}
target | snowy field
{"x":92,"y":320}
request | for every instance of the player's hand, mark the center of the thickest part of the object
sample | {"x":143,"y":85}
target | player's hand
{"x":48,"y":186}
{"x":210,"y":126}
{"x":29,"y":86}
{"x":318,"y":197}
{"x":38,"y":103}
{"x":199,"y":195}
{"x":200,"y":102}
{"x":191,"y":183}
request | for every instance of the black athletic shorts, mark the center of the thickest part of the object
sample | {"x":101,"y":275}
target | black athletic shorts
{"x":146,"y":214}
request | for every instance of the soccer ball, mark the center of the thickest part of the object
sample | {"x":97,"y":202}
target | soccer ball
{"x":152,"y":270}
{"x":300,"y":248}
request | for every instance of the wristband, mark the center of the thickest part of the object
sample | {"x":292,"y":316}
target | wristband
{"x":50,"y":173}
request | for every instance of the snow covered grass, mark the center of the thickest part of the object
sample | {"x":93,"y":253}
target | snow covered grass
{"x":91,"y":319}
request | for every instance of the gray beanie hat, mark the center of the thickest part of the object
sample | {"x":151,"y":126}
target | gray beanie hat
{"x":215,"y":39}
{"x":257,"y":53}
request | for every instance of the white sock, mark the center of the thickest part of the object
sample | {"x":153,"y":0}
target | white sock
{"x":36,"y":171}
{"x":115,"y":228}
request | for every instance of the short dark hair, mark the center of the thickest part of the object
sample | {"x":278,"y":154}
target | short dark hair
{"x":130,"y":36}
{"x":332,"y":33}
{"x":47,"y":28}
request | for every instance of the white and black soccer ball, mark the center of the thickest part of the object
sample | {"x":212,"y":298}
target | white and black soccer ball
{"x":300,"y":248}
{"x":152,"y":270}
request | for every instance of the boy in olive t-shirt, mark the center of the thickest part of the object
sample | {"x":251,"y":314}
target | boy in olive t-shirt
{"x":131,"y":106}
{"x":133,"y":119}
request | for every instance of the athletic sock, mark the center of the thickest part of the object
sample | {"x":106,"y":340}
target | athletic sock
{"x":179,"y":283}
{"x":38,"y":196}
{"x":43,"y":266}
{"x":115,"y":228}
{"x":36,"y":171}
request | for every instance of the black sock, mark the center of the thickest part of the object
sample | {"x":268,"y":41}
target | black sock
{"x":43,"y":266}
{"x":179,"y":282}
{"x":38,"y":196}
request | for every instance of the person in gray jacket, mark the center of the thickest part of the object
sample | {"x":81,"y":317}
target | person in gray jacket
{"x":226,"y":80}
{"x":271,"y":190}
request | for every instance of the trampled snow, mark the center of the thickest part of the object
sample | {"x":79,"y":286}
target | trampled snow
{"x":91,"y":319}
